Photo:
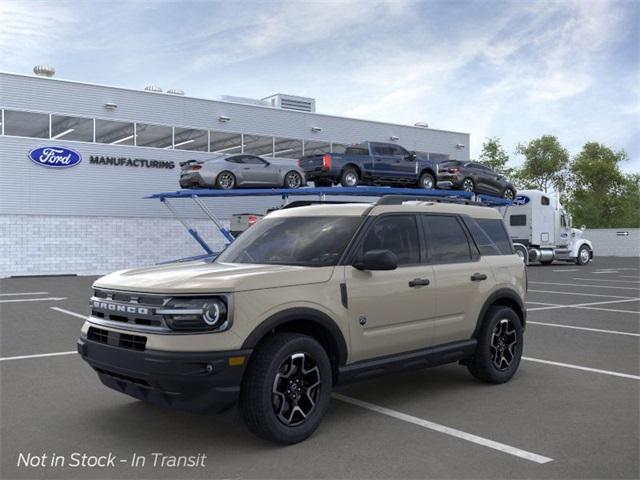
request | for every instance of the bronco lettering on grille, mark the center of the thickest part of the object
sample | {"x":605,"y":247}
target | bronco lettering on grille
{"x":114,"y":307}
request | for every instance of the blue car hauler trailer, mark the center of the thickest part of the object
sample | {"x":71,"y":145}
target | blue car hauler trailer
{"x":406,"y":193}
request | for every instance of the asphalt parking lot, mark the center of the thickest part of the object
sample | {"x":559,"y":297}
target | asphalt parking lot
{"x":572,"y":411}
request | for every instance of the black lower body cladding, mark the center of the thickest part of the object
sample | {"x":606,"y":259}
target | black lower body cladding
{"x":202,"y":382}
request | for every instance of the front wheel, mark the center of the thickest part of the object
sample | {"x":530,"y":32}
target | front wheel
{"x":584,"y":255}
{"x":427,"y":181}
{"x":287,"y":388}
{"x":499,"y":349}
{"x":468,"y":185}
{"x":509,"y":194}
{"x":293,"y":179}
{"x":226,"y":180}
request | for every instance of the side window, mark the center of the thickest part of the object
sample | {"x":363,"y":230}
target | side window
{"x":518,"y":220}
{"x":398,"y":233}
{"x":494,"y":228}
{"x":544,"y":201}
{"x":235,"y":159}
{"x":399,"y":151}
{"x":447,"y":239}
{"x":563,"y":220}
{"x":251,"y":160}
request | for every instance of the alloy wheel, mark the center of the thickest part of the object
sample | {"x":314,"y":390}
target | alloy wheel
{"x":504,"y":344}
{"x":351,"y":179}
{"x":226,"y":181}
{"x":293,"y":180}
{"x":584,"y":255}
{"x":427,"y":182}
{"x":467,"y":185}
{"x":508,"y":194}
{"x":296,"y":389}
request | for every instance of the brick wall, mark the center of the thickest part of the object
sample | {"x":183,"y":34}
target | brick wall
{"x":41,"y":245}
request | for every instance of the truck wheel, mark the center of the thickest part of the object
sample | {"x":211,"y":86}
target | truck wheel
{"x":468,"y":185}
{"x":499,"y":349}
{"x":287,"y":388}
{"x":584,"y":255}
{"x":349,"y":178}
{"x":427,"y":181}
{"x":226,"y":180}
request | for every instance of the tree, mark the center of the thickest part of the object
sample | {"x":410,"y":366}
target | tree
{"x":494,"y":156}
{"x":600,"y":195}
{"x":545,"y":163}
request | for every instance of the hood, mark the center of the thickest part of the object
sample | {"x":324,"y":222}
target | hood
{"x":576,"y":233}
{"x":207,"y":277}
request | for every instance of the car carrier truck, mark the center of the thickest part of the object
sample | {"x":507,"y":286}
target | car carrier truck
{"x":541,"y":230}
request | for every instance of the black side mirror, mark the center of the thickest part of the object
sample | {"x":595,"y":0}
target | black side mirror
{"x":412,"y":156}
{"x":377,"y":260}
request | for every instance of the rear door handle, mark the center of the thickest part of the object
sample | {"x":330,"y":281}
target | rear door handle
{"x":478,"y":277}
{"x":419,"y":282}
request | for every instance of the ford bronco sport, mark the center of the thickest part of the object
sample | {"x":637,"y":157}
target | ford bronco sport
{"x":309,"y":298}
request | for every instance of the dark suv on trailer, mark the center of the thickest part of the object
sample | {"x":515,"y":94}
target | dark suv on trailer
{"x":474,"y":177}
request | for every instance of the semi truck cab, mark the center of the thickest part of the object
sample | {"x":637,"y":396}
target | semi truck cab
{"x":542,"y":230}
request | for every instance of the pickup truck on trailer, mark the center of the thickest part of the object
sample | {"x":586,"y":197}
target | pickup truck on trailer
{"x":371,"y":163}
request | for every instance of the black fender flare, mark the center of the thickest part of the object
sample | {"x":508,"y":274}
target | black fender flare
{"x":500,"y":294}
{"x":305,"y":314}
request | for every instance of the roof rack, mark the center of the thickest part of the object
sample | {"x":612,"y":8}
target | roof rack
{"x":399,"y":199}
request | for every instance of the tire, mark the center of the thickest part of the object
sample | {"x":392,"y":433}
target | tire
{"x":468,"y":185}
{"x":349,"y":177}
{"x":546,"y":262}
{"x":584,"y":255}
{"x":427,"y":181}
{"x":500,"y":342}
{"x":508,"y":194}
{"x":269,"y":406}
{"x":225,"y":180}
{"x":292,"y":180}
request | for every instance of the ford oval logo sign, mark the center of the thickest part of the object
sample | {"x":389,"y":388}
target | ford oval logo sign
{"x":55,"y":157}
{"x":521,"y":200}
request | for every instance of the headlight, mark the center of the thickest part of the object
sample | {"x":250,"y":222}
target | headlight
{"x":197,"y":314}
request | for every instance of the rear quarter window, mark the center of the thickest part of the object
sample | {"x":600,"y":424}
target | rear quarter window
{"x":491,"y":236}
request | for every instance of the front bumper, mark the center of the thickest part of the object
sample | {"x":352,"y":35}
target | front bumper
{"x":193,"y":381}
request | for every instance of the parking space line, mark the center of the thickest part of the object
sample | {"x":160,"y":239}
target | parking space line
{"x":579,"y":367}
{"x":582,"y":294}
{"x":23,"y":293}
{"x":567,"y":270}
{"x":73,"y":314}
{"x":628,"y":276}
{"x":532,"y":457}
{"x":48,"y":299}
{"x":546,"y":304}
{"x":587,"y":305}
{"x":587,"y":286}
{"x":597,"y":330}
{"x":604,"y":280}
{"x":40,"y":355}
{"x":610,"y":310}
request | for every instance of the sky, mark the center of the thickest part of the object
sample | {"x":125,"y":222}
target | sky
{"x":514,"y":70}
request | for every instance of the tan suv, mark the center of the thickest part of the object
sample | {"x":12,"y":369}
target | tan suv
{"x":309,"y":298}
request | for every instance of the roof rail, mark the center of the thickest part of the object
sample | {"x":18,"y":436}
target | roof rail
{"x":399,"y":199}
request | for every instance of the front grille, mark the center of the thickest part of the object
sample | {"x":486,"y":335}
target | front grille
{"x":128,"y":308}
{"x":119,"y":376}
{"x":116,"y":339}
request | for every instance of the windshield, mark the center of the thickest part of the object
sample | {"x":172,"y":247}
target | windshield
{"x":305,"y":241}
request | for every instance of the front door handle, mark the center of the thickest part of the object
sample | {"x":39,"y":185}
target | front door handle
{"x":478,"y":277}
{"x":419,"y":282}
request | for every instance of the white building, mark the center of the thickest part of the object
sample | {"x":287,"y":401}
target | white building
{"x":92,"y":217}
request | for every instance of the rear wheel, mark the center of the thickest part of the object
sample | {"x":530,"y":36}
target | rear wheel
{"x":499,"y":349}
{"x":293,"y":179}
{"x":226,"y":180}
{"x":349,"y":178}
{"x":427,"y":181}
{"x":468,"y":185}
{"x":584,"y":255}
{"x":508,"y":194}
{"x":286,"y":389}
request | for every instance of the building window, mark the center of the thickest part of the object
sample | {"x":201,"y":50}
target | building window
{"x":157,"y":136}
{"x":26,"y":124}
{"x":315,"y":148}
{"x":258,"y":145}
{"x":225,"y":142}
{"x":114,"y":133}
{"x":71,"y":128}
{"x":190,"y":139}
{"x":287,"y":148}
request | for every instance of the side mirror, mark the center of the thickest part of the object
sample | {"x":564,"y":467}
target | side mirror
{"x":377,"y":260}
{"x":266,"y":164}
{"x":412,"y":156}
